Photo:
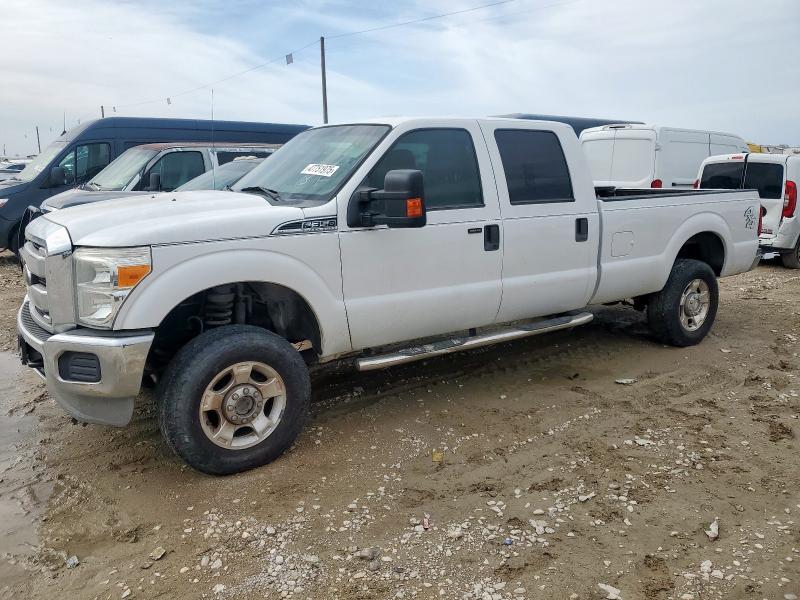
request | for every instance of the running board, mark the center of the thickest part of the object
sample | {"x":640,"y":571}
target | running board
{"x":450,"y":345}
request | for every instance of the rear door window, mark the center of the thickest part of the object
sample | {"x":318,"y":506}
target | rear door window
{"x":767,"y":178}
{"x":176,"y":168}
{"x":722,"y":176}
{"x":535,"y":167}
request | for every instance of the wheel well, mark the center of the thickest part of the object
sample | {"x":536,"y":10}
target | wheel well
{"x":706,"y":247}
{"x":271,"y":306}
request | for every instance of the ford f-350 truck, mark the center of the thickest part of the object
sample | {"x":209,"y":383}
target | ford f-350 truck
{"x":386,"y":242}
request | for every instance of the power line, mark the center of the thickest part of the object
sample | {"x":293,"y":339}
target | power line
{"x":285,"y":55}
{"x":420,"y":20}
{"x":218,"y":81}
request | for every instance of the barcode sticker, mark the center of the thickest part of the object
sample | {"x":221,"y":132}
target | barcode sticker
{"x":321,"y":170}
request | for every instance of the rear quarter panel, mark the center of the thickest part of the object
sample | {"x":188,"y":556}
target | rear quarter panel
{"x":641,"y":238}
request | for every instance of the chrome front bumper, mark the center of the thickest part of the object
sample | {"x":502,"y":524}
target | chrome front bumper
{"x":121,"y":358}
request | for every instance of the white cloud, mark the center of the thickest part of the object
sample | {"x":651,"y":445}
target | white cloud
{"x":722,"y":65}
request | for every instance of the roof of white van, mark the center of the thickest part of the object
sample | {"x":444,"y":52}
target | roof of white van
{"x":752,"y":156}
{"x":655,"y":128}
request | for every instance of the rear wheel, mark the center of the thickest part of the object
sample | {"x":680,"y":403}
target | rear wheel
{"x":233,"y":398}
{"x":791,"y":260}
{"x":683,"y":312}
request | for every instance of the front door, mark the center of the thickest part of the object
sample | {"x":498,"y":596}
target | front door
{"x":80,"y":164}
{"x":403,"y":284}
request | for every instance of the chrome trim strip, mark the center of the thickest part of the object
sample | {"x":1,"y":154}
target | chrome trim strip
{"x":448,"y":346}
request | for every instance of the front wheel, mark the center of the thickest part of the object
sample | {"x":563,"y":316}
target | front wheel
{"x":233,"y":398}
{"x":682,"y":313}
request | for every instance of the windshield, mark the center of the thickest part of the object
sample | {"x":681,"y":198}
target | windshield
{"x":219,"y":179}
{"x":121,"y":170}
{"x":316,"y":163}
{"x":41,"y":162}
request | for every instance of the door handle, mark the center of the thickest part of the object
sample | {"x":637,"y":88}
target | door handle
{"x":581,"y":229}
{"x":491,"y":238}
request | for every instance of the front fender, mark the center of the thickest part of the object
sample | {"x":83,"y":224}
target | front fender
{"x":180,"y":271}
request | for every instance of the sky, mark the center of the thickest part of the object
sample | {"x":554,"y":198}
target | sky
{"x":725,"y":65}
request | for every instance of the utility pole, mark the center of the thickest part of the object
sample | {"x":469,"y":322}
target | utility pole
{"x":102,"y":112}
{"x":38,"y":143}
{"x":324,"y":82}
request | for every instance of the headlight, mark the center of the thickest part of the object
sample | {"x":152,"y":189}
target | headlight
{"x":104,"y":277}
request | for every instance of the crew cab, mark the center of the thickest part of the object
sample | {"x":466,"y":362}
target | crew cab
{"x":775,"y":177}
{"x":382,"y":242}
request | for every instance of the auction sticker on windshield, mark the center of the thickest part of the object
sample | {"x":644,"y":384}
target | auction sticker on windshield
{"x":321,"y":170}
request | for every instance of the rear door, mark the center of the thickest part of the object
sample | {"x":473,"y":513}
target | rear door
{"x":680,"y":154}
{"x":550,"y":225}
{"x":764,"y":174}
{"x":634,"y":158}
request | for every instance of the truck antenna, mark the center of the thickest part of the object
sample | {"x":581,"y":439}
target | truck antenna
{"x":213,"y":150}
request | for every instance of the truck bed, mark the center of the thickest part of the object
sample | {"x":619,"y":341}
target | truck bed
{"x":642,"y":230}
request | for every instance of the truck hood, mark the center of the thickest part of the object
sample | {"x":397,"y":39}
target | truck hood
{"x":78,"y":196}
{"x":171,"y":218}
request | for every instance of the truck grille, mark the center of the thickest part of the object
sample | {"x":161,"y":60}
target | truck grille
{"x":47,"y":267}
{"x":40,"y":333}
{"x":34,"y":257}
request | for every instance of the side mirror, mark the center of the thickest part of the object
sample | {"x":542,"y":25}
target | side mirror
{"x":155,"y":183}
{"x":58,"y":177}
{"x":401,"y":202}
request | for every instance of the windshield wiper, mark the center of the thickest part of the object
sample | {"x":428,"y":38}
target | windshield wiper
{"x":272,"y":194}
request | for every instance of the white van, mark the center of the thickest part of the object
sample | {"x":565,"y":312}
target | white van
{"x":644,"y":156}
{"x":776,"y":177}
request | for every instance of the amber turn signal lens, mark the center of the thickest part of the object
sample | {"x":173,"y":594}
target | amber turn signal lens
{"x":130,"y":275}
{"x":414,"y":207}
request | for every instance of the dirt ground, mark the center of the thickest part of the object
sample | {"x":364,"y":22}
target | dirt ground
{"x":519,"y":471}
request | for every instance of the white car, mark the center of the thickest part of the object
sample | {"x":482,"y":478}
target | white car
{"x":651,"y":156}
{"x":775,"y":177}
{"x":385,"y":242}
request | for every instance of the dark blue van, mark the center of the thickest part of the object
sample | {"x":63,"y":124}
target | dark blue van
{"x":82,"y":152}
{"x":578,"y":124}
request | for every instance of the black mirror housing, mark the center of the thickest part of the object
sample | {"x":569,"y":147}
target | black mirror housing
{"x":154,"y":185}
{"x":57,"y":177}
{"x":401,"y":202}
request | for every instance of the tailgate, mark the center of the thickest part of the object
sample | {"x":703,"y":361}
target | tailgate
{"x":769,"y":178}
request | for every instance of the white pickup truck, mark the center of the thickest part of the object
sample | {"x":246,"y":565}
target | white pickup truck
{"x":384,"y":241}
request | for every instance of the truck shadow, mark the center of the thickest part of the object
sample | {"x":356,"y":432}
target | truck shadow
{"x":342,"y":388}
